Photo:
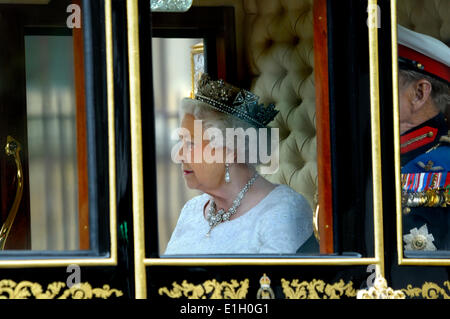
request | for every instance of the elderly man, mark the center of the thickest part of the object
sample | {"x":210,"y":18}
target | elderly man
{"x":424,"y":78}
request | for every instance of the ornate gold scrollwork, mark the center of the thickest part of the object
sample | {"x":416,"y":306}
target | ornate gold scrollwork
{"x":26,"y":289}
{"x":429,"y":290}
{"x":316,"y":289}
{"x":210,"y":289}
{"x":380,"y":290}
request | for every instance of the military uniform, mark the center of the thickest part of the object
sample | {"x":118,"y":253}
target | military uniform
{"x":425,"y":161}
{"x":425,"y":152}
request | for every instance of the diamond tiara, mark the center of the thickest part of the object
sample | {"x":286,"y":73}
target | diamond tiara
{"x":237,"y":102}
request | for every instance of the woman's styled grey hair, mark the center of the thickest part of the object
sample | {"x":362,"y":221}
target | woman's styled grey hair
{"x":440,"y":93}
{"x":214,"y":119}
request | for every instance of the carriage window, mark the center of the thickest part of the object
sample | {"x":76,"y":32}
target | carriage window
{"x":52,"y":151}
{"x":423,"y":111}
{"x":188,"y":101}
{"x":44,"y":193}
{"x":243,"y":137}
{"x":235,"y":197}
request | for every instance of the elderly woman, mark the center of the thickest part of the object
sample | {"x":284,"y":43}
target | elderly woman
{"x":240,"y":212}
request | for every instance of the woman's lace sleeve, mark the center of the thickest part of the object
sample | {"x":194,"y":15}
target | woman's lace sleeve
{"x":187,"y":217}
{"x":285,"y":226}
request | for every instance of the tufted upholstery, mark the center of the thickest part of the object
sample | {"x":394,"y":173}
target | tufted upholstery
{"x":426,"y":16}
{"x":279,"y":37}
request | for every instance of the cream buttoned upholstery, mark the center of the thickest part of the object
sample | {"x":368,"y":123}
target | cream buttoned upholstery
{"x":431,"y":17}
{"x":279,"y":37}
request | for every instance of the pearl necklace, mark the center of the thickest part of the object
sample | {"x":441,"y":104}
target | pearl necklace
{"x":215,"y":218}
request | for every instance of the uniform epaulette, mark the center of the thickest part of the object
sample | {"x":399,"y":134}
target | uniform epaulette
{"x":417,"y":138}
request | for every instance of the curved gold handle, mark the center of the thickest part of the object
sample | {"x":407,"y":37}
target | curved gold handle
{"x":12,"y":148}
{"x":316,"y":223}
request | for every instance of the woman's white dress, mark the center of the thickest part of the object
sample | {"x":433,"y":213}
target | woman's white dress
{"x":279,"y":224}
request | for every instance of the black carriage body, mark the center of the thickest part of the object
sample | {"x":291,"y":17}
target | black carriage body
{"x":132,"y":266}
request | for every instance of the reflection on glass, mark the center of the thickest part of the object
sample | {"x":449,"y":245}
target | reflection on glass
{"x":424,"y":76}
{"x":172,"y":80}
{"x":52,"y":142}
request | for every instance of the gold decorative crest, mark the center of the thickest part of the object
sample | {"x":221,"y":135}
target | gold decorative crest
{"x":265,"y":292}
{"x":210,"y":289}
{"x":429,"y":290}
{"x":317,"y":289}
{"x":26,"y":289}
{"x":380,"y":290}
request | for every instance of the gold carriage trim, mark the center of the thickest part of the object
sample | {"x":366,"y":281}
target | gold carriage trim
{"x":316,"y":289}
{"x":380,"y":290}
{"x":210,"y":289}
{"x":429,"y":290}
{"x":27,"y":290}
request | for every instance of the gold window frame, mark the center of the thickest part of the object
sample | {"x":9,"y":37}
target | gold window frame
{"x":94,"y":261}
{"x":141,"y":262}
{"x":398,"y":186}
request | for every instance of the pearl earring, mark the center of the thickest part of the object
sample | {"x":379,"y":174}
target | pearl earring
{"x":227,"y":173}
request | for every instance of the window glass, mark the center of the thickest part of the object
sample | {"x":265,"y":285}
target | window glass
{"x":52,"y":142}
{"x":423,"y":65}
